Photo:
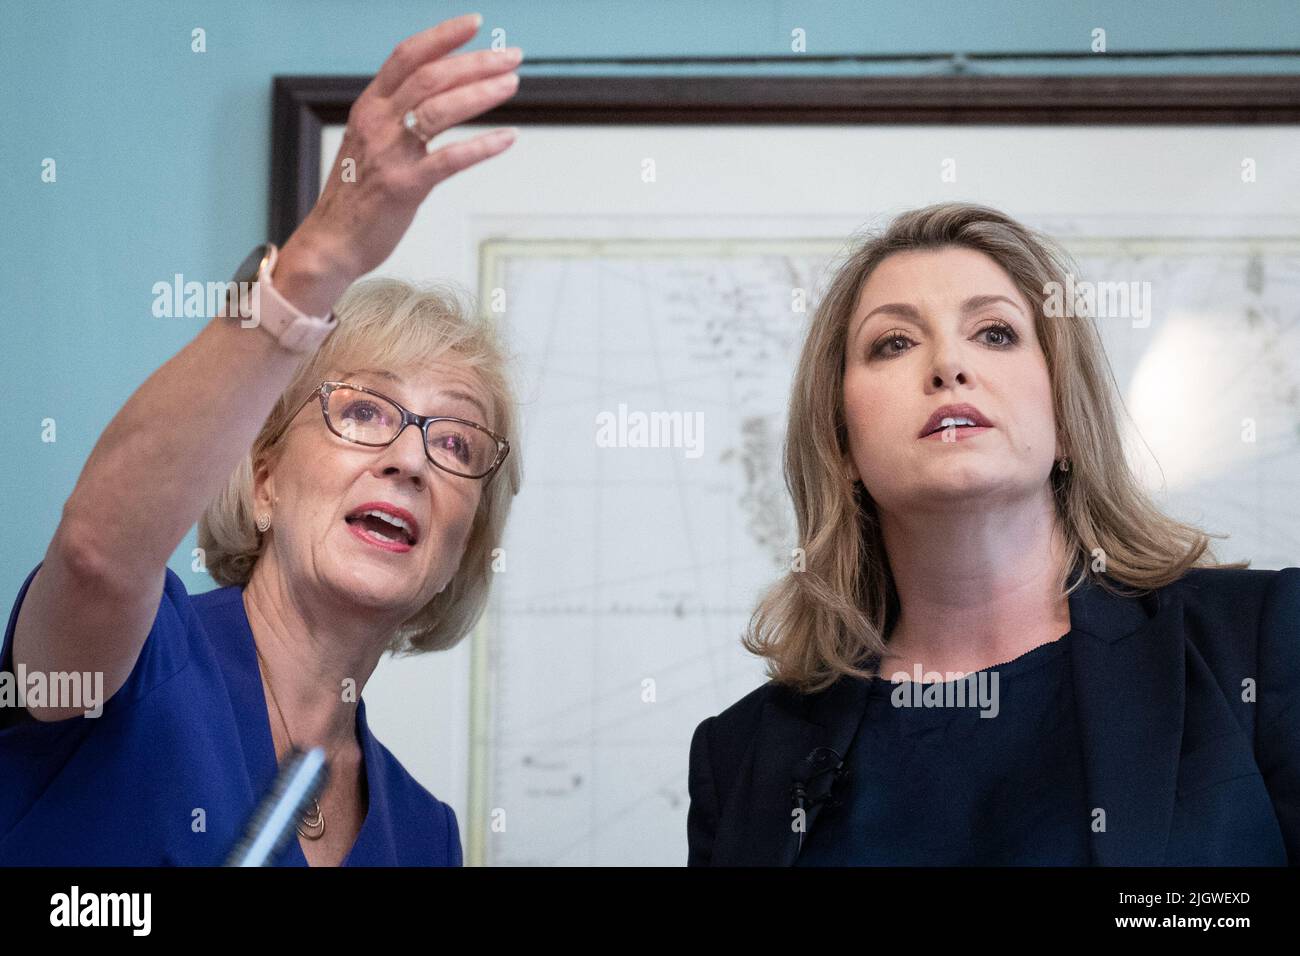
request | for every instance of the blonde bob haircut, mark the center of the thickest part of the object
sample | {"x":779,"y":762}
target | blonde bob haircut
{"x":830,"y":617}
{"x":389,"y":324}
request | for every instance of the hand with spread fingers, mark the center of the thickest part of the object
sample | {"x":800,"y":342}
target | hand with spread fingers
{"x":422,"y":90}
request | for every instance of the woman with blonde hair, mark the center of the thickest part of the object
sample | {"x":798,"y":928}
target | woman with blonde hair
{"x":993,"y":648}
{"x":337,"y":532}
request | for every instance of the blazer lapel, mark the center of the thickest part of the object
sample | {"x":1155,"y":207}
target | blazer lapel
{"x":1126,"y":654}
{"x":758,"y":828}
{"x":1127,"y":659}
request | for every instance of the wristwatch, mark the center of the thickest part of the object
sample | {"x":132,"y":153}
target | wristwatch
{"x":292,"y":328}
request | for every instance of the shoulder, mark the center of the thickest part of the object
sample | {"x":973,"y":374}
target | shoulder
{"x":1244,"y":625}
{"x":1234,"y":590}
{"x":184,"y":629}
{"x":1258,"y":611}
{"x":740,"y":717}
{"x":725,"y":736}
{"x":429,"y":826}
{"x":1241,"y":607}
{"x":217,"y":600}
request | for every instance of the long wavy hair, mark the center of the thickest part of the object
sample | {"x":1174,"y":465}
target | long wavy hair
{"x":388,"y":323}
{"x":829,"y":617}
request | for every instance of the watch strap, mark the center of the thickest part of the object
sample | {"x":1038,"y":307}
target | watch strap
{"x":291,"y":327}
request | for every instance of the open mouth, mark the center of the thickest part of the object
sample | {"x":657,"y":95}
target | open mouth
{"x":955,"y":417}
{"x":382,"y":527}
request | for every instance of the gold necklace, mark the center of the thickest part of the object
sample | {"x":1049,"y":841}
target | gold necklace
{"x":315,"y":819}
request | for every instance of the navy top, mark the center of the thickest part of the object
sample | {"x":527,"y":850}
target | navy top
{"x":945,"y":786}
{"x":173,"y":768}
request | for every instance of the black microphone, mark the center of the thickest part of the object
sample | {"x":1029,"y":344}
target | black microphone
{"x":819,"y":763}
{"x":301,"y":777}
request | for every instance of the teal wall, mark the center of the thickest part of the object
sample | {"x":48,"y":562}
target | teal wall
{"x":163,"y":154}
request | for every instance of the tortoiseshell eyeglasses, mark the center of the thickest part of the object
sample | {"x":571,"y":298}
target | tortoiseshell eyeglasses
{"x":362,"y":415}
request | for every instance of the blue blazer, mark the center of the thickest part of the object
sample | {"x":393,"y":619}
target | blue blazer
{"x":1189,"y":712}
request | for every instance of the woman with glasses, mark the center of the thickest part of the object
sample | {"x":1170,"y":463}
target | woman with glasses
{"x":351,"y":476}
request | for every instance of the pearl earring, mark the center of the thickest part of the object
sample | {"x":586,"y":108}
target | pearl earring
{"x":263,"y":522}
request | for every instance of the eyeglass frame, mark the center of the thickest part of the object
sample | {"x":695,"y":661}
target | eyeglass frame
{"x":323,"y":390}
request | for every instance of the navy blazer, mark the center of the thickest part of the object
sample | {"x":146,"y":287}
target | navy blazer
{"x":1189,"y":766}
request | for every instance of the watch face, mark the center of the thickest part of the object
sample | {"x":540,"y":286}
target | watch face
{"x":249,"y":268}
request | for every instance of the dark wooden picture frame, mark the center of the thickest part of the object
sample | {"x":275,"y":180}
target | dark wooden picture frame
{"x":302,"y":105}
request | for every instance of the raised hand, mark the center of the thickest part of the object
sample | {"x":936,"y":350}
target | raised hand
{"x":355,"y":225}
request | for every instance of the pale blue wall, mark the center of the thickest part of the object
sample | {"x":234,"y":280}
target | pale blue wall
{"x":163,"y":154}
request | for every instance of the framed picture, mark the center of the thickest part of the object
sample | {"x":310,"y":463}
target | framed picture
{"x":653,"y":246}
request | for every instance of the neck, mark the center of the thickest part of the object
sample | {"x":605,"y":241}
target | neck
{"x":976,"y":585}
{"x":315,"y":660}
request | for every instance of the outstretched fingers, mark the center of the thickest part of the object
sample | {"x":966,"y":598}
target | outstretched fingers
{"x":457,"y":105}
{"x":419,"y":48}
{"x":438,"y":76}
{"x":452,"y":158}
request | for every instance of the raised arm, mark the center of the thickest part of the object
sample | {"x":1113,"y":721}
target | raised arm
{"x":174,"y":443}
